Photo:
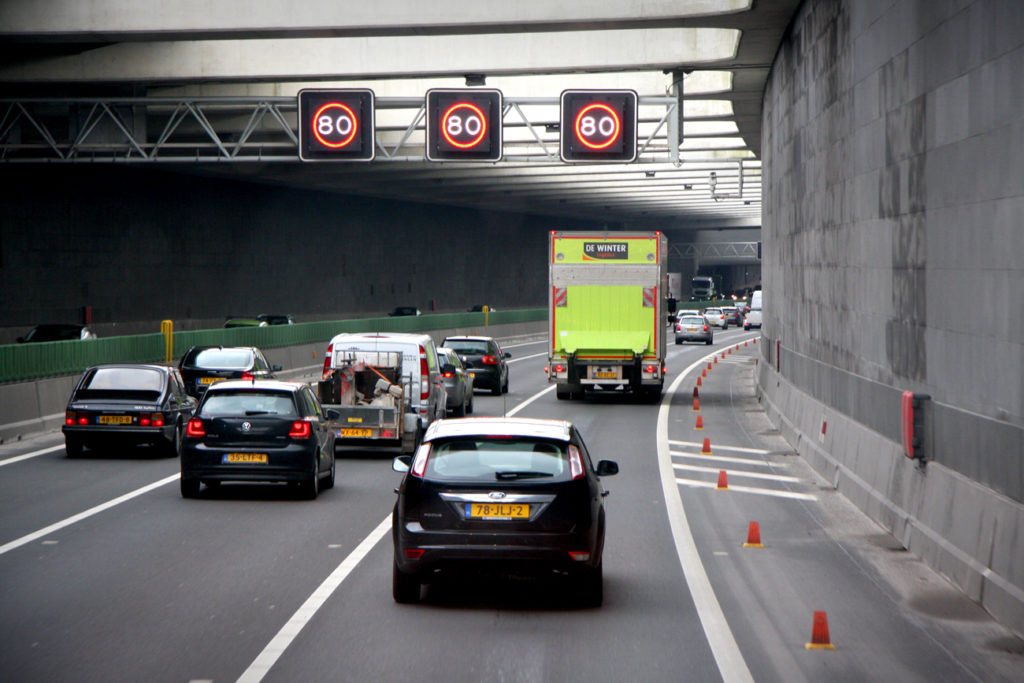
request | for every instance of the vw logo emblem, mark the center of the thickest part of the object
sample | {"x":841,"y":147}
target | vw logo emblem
{"x":497,"y":495}
{"x":246,"y":426}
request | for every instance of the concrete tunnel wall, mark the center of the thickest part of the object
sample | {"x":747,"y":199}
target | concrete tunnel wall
{"x":893,"y":230}
{"x":140,"y":245}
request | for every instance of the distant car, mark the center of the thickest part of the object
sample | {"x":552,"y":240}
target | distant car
{"x":398,"y":311}
{"x":484,"y":359}
{"x":733,"y":315}
{"x":500,"y":495}
{"x":46,"y":333}
{"x":457,"y":382}
{"x":694,"y":328}
{"x":478,"y":308}
{"x":259,"y":431}
{"x":202,"y":366}
{"x":717,"y":317}
{"x":754,"y":315}
{"x":274,"y":319}
{"x":127,"y":404}
{"x":245,"y":322}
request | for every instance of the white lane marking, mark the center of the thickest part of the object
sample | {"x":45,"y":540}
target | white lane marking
{"x":726,"y":458}
{"x":17,"y":543}
{"x":723,"y":644}
{"x":737,"y":449}
{"x":738,"y":473}
{"x":280,"y":642}
{"x":536,"y":355}
{"x":697,"y":483}
{"x":33,"y":454}
{"x":529,"y":343}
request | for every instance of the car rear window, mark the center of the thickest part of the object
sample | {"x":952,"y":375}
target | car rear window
{"x":713,"y":311}
{"x":467,"y":346}
{"x":138,"y":384}
{"x":497,"y":459}
{"x":221,"y":359}
{"x":247,"y":402}
{"x":692,"y":320}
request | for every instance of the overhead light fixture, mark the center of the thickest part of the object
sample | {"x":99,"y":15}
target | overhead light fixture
{"x":476,"y":79}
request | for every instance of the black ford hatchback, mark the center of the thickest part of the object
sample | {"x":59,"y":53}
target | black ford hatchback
{"x":259,"y":431}
{"x":500,"y":495}
{"x":202,"y":366}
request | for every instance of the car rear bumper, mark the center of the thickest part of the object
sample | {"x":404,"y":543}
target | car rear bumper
{"x":91,"y":434}
{"x":292,"y":463}
{"x":702,"y":337}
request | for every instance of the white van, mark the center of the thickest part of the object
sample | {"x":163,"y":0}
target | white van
{"x":421,"y":375}
{"x":753,"y":318}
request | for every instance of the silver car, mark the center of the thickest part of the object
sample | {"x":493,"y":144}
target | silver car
{"x":694,"y":328}
{"x":458,"y":382}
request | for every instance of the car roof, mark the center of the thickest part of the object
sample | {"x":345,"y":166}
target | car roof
{"x":463,"y":337}
{"x":377,"y":337}
{"x":559,"y":430}
{"x":147,"y":366}
{"x":273,"y":384}
{"x":204,"y":347}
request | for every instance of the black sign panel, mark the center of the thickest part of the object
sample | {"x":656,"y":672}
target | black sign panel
{"x":336,"y":125}
{"x":606,"y":250}
{"x":464,"y":125}
{"x":598,"y":126}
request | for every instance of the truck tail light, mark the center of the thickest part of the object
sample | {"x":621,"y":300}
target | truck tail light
{"x":195,"y":428}
{"x":327,"y":361}
{"x":559,"y":367}
{"x":301,"y":429}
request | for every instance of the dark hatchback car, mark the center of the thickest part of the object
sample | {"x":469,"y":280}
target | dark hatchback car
{"x":458,"y":383}
{"x":202,"y":366}
{"x":484,"y":359}
{"x":45,"y":333}
{"x":507,"y":496}
{"x":127,"y":404}
{"x":399,"y":311}
{"x":258,"y":431}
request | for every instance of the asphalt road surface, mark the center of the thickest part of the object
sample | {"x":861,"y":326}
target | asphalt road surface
{"x":106,"y":573}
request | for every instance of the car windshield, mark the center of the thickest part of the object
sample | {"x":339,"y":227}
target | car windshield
{"x":247,"y":403}
{"x":221,"y":359}
{"x":467,"y":346}
{"x":482,"y":458}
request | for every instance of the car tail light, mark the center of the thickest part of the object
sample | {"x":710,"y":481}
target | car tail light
{"x":414,"y":553}
{"x":248,"y":375}
{"x":158,"y":419}
{"x":301,"y":429}
{"x":327,"y":361}
{"x":83,"y":419}
{"x":144,"y":420}
{"x":705,"y":328}
{"x":579,"y":555}
{"x":69,"y":417}
{"x":575,"y":462}
{"x":195,"y":428}
{"x":448,"y":374}
{"x":419,"y":462}
{"x":489,"y":360}
{"x":424,"y":376}
{"x":679,"y":327}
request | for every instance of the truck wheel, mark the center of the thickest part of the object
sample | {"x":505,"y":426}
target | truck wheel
{"x":563,"y":392}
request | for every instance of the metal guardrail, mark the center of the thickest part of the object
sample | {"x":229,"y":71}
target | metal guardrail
{"x":22,"y":362}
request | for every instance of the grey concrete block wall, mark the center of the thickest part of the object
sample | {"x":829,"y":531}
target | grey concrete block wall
{"x":893,"y":231}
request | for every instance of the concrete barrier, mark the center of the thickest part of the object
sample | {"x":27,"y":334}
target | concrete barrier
{"x":38,"y":406}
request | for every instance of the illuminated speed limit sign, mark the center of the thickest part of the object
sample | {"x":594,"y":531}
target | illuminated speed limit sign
{"x":598,"y":126}
{"x":336,"y":124}
{"x":464,"y":125}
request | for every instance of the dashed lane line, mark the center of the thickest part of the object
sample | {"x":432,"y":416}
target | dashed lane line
{"x":738,"y":473}
{"x":698,"y":483}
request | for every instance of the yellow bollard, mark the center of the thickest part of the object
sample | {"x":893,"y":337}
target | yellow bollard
{"x":167,"y":329}
{"x":487,"y":315}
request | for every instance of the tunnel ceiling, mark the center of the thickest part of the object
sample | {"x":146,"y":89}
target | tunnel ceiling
{"x":720,"y":51}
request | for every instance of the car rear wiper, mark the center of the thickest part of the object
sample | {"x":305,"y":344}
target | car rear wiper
{"x":258,"y":412}
{"x":521,"y":474}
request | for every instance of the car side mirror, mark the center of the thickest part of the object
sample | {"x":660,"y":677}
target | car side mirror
{"x":508,"y":355}
{"x":606,"y":468}
{"x":401,"y":464}
{"x":277,"y":368}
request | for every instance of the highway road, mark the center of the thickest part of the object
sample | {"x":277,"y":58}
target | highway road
{"x":106,"y":573}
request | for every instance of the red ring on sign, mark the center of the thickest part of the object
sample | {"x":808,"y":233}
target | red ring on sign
{"x":483,"y":125}
{"x":352,"y":133}
{"x":615,"y":133}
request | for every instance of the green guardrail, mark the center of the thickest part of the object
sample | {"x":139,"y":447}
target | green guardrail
{"x":22,"y":362}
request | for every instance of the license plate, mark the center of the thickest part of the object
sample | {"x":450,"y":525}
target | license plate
{"x":114,"y":419}
{"x":498,"y":510}
{"x":209,"y":380}
{"x":257,"y":458}
{"x":356,"y":433}
{"x":691,"y":329}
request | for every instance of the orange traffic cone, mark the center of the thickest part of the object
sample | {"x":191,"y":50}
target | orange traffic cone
{"x":700,"y":423}
{"x":753,"y":536}
{"x":754,"y":340}
{"x":695,"y":392}
{"x":819,"y":633}
{"x":698,"y":382}
{"x":744,"y":344}
{"x":709,"y":365}
{"x":730,"y":350}
{"x":696,"y":404}
{"x":706,"y":450}
{"x":723,"y":481}
{"x":704,"y":372}
{"x":716,"y":360}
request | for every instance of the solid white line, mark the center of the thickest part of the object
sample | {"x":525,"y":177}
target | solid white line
{"x":697,"y":483}
{"x":17,"y":543}
{"x":738,"y":449}
{"x":33,"y":454}
{"x":531,"y":400}
{"x":723,"y":644}
{"x":280,"y":642}
{"x":726,"y":458}
{"x":738,"y":473}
